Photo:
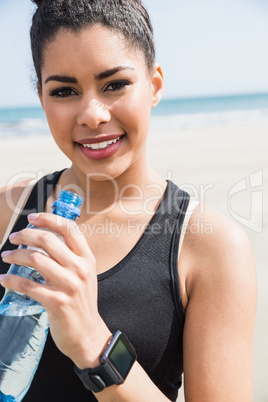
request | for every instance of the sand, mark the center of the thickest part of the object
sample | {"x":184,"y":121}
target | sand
{"x":224,"y":166}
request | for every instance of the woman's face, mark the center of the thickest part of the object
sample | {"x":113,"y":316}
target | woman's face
{"x":97,"y":94}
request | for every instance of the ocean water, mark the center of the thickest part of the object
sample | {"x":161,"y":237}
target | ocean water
{"x":223,"y":110}
{"x":169,"y":113}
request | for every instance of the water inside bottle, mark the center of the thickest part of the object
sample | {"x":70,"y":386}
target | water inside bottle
{"x":22,"y":341}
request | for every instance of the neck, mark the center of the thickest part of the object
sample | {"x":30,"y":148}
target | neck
{"x":139,"y":182}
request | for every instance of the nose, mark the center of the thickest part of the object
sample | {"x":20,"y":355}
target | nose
{"x":92,"y":113}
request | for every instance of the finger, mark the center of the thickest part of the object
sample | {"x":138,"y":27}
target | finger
{"x":57,"y":250}
{"x":53,"y":273}
{"x":47,"y":241}
{"x":29,"y":288}
{"x":67,"y":228}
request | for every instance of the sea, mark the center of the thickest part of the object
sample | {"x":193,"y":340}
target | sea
{"x":170,"y":113}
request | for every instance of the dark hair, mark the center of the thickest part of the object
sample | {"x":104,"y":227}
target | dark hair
{"x":128,"y":17}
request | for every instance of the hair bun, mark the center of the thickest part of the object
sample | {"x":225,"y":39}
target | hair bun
{"x":37,"y":2}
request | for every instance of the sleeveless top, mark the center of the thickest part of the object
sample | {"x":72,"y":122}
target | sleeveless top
{"x":140,"y":296}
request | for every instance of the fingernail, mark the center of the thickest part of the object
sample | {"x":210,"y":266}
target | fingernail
{"x":33,"y":217}
{"x":12,"y":235}
{"x":2,"y":277}
{"x":5,"y":253}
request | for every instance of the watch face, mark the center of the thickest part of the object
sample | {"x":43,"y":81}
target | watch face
{"x":120,"y":354}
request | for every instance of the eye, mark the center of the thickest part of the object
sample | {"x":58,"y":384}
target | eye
{"x":115,"y":86}
{"x":63,"y":92}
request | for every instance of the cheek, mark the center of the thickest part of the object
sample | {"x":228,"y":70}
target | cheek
{"x":136,"y":110}
{"x":58,"y":118}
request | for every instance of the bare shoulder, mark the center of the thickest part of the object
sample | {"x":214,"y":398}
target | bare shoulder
{"x":216,"y":249}
{"x":9,"y":198}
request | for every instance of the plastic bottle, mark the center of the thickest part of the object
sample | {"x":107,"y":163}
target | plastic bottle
{"x":24,"y":322}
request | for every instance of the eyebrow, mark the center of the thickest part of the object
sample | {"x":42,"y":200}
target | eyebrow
{"x":112,"y":71}
{"x":61,"y":78}
{"x":101,"y":76}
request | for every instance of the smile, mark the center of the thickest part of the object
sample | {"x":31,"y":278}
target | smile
{"x":101,"y":145}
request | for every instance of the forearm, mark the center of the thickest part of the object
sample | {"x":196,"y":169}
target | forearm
{"x":137,"y":387}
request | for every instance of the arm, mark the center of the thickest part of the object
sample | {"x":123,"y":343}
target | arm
{"x":70,"y":299}
{"x":220,"y":287}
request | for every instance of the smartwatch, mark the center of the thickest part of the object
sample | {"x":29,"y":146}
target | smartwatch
{"x":116,"y":362}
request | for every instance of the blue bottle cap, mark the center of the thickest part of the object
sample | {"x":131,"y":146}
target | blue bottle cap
{"x":69,"y":207}
{"x":69,"y":201}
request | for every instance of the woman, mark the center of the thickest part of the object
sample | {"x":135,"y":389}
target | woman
{"x":186,"y":303}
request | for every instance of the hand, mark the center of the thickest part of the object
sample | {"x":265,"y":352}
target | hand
{"x":69,"y":295}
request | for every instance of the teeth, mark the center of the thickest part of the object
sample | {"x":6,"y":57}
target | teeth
{"x":93,"y":146}
{"x":101,"y":145}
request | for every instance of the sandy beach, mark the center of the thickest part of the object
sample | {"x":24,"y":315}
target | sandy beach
{"x":225,"y":166}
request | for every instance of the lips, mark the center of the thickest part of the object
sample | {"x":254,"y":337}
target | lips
{"x":96,"y":149}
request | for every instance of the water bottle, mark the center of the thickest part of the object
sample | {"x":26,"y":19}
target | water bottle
{"x":24,"y":322}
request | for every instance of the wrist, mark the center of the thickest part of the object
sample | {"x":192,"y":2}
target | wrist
{"x":91,"y":349}
{"x":115,"y":364}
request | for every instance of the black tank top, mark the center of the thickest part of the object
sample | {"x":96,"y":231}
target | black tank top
{"x":140,"y":296}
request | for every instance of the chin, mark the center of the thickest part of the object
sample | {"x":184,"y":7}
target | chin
{"x":105,"y":175}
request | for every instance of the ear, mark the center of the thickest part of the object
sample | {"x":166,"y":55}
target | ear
{"x":157,"y":84}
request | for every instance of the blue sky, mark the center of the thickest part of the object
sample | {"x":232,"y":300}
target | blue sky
{"x":206,"y":47}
